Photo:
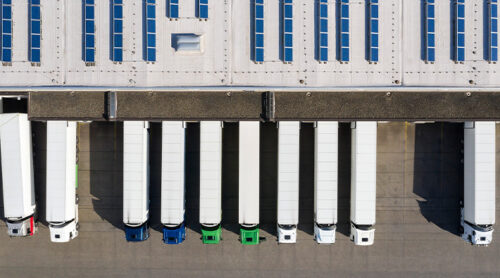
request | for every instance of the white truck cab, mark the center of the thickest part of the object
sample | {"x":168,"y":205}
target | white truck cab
{"x":362,"y":234}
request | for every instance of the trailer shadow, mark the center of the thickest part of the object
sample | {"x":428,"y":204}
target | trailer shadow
{"x":344,"y":179}
{"x":155,"y":164}
{"x":39,"y":131}
{"x":106,"y":170}
{"x":230,"y":177}
{"x":306,"y":179}
{"x":268,"y":177}
{"x":192,"y":177}
{"x":438,"y":173}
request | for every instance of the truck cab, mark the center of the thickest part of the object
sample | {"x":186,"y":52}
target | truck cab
{"x":475,"y":234}
{"x":324,"y":234}
{"x":287,"y":233}
{"x":63,"y":232}
{"x":138,"y":233}
{"x":211,"y":234}
{"x":249,"y":235}
{"x":174,"y":235}
{"x":362,"y":234}
{"x":21,"y":228}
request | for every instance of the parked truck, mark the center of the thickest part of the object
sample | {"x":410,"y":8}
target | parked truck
{"x":17,"y":174}
{"x":325,"y":181}
{"x":288,"y":181}
{"x":136,"y":180}
{"x":172,"y":182}
{"x":249,"y":180}
{"x":61,"y":199}
{"x":210,"y":181}
{"x":363,"y":181}
{"x":478,"y":211}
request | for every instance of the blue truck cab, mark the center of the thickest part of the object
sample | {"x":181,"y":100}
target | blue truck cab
{"x":139,"y":233}
{"x":174,"y":235}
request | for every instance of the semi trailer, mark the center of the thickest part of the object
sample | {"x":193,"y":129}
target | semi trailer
{"x":288,"y":181}
{"x":211,"y":181}
{"x":136,"y":180}
{"x":325,"y":181}
{"x":172,"y":182}
{"x":478,"y":210}
{"x":17,"y":174}
{"x":249,"y":177}
{"x":61,"y":199}
{"x":363,"y":181}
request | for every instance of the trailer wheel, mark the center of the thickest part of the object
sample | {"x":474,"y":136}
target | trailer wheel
{"x":78,"y":226}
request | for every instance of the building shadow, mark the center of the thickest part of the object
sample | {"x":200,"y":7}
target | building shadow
{"x":438,"y":173}
{"x":230,"y":177}
{"x":155,"y":164}
{"x":39,"y":142}
{"x":192,"y":177}
{"x":344,"y":179}
{"x":306,"y":179}
{"x":106,"y":170}
{"x":2,"y":215}
{"x":268,"y":177}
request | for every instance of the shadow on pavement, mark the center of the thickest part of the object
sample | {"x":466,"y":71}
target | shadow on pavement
{"x":438,"y":173}
{"x":193,"y":177}
{"x":268,"y":177}
{"x":344,"y":179}
{"x":306,"y":179}
{"x":106,"y":170}
{"x":230,"y":177}
{"x":155,"y":148}
{"x":39,"y":131}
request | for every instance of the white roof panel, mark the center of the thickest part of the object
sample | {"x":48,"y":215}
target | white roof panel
{"x":363,"y":172}
{"x":479,"y":173}
{"x":249,"y":172}
{"x":17,"y":166}
{"x":288,"y":172}
{"x":61,"y":171}
{"x":210,"y":172}
{"x":326,"y":172}
{"x":172,"y":173}
{"x":135,"y":172}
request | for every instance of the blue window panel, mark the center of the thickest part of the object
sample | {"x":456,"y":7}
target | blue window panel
{"x":203,"y":9}
{"x":287,"y":22}
{"x":117,"y":31}
{"x":118,"y":54}
{"x":459,"y":31}
{"x":34,"y":39}
{"x":173,"y":9}
{"x":6,"y":31}
{"x":89,"y":32}
{"x":258,"y":31}
{"x":493,"y":31}
{"x":373,"y":44}
{"x":343,"y":45}
{"x":150,"y":31}
{"x":429,"y":31}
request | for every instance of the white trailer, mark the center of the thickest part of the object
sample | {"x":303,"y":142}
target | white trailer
{"x":325,"y":181}
{"x":210,"y":180}
{"x":288,"y":181}
{"x":17,"y":174}
{"x":478,"y":211}
{"x":249,"y":181}
{"x":363,"y":181}
{"x":172,"y":182}
{"x":61,"y":199}
{"x":136,"y":180}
